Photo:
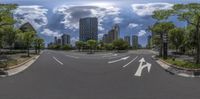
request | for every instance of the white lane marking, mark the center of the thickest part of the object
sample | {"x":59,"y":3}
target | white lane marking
{"x":58,"y":61}
{"x":141,"y":67}
{"x":72,"y":56}
{"x":125,"y":58}
{"x":109,"y":55}
{"x":130,"y":62}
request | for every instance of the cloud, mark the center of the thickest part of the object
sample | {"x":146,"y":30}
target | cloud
{"x":74,"y":40}
{"x":100,"y":36}
{"x":72,"y":14}
{"x":49,"y":32}
{"x":117,"y":20}
{"x":34,"y":14}
{"x":142,"y":33}
{"x":149,"y":8}
{"x":132,"y":25}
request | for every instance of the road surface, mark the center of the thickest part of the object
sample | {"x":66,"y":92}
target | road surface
{"x":72,"y":75}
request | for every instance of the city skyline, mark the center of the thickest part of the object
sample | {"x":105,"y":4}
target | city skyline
{"x":54,"y":19}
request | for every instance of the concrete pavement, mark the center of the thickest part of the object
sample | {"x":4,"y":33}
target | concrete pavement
{"x":70,"y":75}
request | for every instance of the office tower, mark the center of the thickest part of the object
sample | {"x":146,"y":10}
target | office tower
{"x":128,"y":39}
{"x":135,"y":41}
{"x":113,"y":34}
{"x":88,"y":29}
{"x":65,"y":39}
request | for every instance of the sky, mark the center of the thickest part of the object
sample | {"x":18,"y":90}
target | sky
{"x":55,"y":17}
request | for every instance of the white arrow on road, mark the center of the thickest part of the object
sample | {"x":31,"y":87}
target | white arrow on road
{"x":141,"y":67}
{"x":125,"y":58}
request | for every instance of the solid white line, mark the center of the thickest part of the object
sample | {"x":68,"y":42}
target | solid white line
{"x":125,"y":58}
{"x":72,"y":56}
{"x":58,"y":61}
{"x":130,"y":62}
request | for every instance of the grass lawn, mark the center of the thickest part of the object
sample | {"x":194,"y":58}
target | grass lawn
{"x":182,"y":63}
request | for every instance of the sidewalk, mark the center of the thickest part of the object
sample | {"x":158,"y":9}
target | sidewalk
{"x":20,"y":67}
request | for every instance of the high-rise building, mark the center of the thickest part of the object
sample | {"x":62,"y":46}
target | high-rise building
{"x":65,"y":39}
{"x":55,"y":40}
{"x":113,"y":34}
{"x":128,"y":40}
{"x":135,"y":41}
{"x":105,"y":38}
{"x":59,"y":41}
{"x":88,"y":28}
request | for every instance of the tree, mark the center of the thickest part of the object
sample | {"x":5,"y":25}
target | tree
{"x":160,"y":29}
{"x":176,"y":37}
{"x":10,"y":35}
{"x":109,"y":46}
{"x":6,"y":19}
{"x":189,"y":13}
{"x":120,"y":44}
{"x":92,"y":44}
{"x":79,"y":45}
{"x":6,"y":14}
{"x":27,"y":38}
{"x":38,"y":43}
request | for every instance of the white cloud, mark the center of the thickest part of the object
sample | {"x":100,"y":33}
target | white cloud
{"x":117,"y":20}
{"x":34,"y":14}
{"x":142,"y":33}
{"x":49,"y":32}
{"x":72,"y":14}
{"x":149,"y":8}
{"x":132,"y":25}
{"x":74,"y":39}
{"x":100,"y":36}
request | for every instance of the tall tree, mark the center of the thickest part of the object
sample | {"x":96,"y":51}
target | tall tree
{"x":10,"y":36}
{"x":189,"y":13}
{"x":27,"y":38}
{"x":176,"y":37}
{"x":38,"y":43}
{"x":161,"y":29}
{"x":6,"y":19}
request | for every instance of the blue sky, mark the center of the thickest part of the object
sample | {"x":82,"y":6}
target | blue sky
{"x":55,"y":17}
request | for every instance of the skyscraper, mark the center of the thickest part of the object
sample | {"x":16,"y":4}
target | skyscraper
{"x":128,"y":40}
{"x":113,"y":34}
{"x":135,"y":41}
{"x":105,"y":38}
{"x":55,"y":40}
{"x":88,"y":29}
{"x":65,"y":39}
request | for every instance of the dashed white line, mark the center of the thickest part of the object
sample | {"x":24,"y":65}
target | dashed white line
{"x":58,"y":61}
{"x":72,"y":56}
{"x":130,"y":62}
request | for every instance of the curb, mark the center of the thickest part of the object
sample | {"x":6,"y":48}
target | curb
{"x":173,"y":69}
{"x":18,"y":65}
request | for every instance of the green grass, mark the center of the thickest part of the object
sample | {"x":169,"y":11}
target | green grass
{"x":184,"y":64}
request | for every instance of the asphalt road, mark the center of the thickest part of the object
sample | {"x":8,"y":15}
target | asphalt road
{"x":72,"y":75}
